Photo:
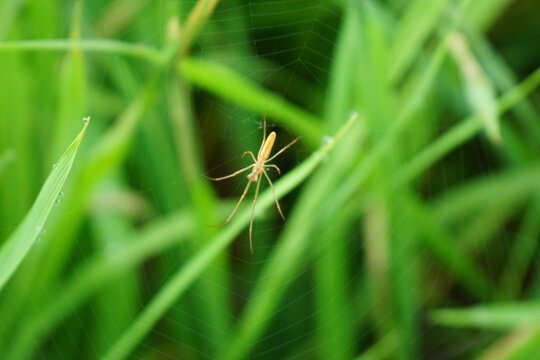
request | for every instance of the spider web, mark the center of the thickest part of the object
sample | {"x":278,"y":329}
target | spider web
{"x":289,"y":49}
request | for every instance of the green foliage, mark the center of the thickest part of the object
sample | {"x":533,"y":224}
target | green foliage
{"x":412,"y":198}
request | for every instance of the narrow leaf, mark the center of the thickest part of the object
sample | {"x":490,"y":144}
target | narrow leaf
{"x":493,"y":316}
{"x":32,"y":227}
{"x":230,"y":85}
{"x":418,"y":22}
{"x":479,"y":89}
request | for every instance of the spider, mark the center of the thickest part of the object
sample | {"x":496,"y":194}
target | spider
{"x":258,"y":170}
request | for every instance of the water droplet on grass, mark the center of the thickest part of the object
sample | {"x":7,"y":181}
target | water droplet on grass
{"x":40,"y":231}
{"x":326,"y":140}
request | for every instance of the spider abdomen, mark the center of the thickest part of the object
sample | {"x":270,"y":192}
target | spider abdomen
{"x":266,"y":149}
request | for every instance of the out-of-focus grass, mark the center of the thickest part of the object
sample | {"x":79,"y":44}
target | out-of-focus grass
{"x":413,"y":230}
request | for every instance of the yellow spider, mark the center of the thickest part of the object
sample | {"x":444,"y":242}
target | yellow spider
{"x":259,"y":168}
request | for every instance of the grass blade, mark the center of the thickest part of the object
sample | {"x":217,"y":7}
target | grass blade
{"x":383,"y":349}
{"x":20,"y":242}
{"x":230,"y":85}
{"x":522,"y":343}
{"x":479,"y":89}
{"x":493,"y":316}
{"x":418,"y":22}
{"x":203,"y":202}
{"x":88,"y":45}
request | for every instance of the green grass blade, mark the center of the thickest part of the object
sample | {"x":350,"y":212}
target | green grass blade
{"x":232,"y":86}
{"x":107,"y":46}
{"x":478,"y":88}
{"x":501,"y":189}
{"x":492,"y":316}
{"x":441,"y":244}
{"x":118,"y":301}
{"x":342,"y":83}
{"x":524,"y":345}
{"x":505,"y":78}
{"x":383,"y":349}
{"x":202,"y":202}
{"x":521,"y":253}
{"x":419,"y":21}
{"x":104,"y":155}
{"x":20,"y":242}
{"x":72,"y":88}
{"x":331,"y":295}
{"x":404,"y":275}
{"x":111,"y":149}
{"x":195,"y":22}
{"x":483,"y":13}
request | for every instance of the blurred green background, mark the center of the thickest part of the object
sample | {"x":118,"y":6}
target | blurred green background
{"x":412,"y":234}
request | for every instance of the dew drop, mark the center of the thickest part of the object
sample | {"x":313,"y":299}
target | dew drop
{"x":326,"y":140}
{"x":40,"y":231}
{"x":86,"y":119}
{"x":55,"y":166}
{"x":57,"y":200}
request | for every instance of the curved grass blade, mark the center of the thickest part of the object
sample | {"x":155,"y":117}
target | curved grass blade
{"x":19,"y":243}
{"x":230,"y":85}
{"x":419,"y":19}
{"x":479,"y":89}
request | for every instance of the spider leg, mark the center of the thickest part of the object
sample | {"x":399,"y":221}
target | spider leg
{"x":275,"y":197}
{"x":230,"y":176}
{"x":284,"y":148}
{"x":274,"y":167}
{"x":236,"y":207}
{"x":264,"y":127}
{"x":250,"y":153}
{"x":252,"y":213}
{"x":264,"y":136}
